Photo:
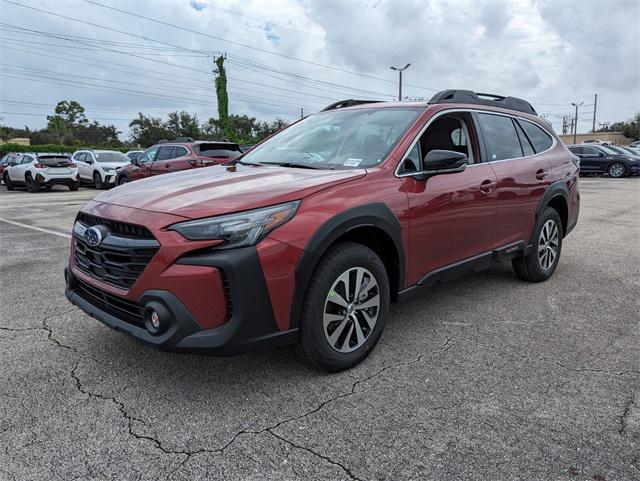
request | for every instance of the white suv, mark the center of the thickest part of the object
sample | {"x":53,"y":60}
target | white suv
{"x":41,"y":170}
{"x":99,"y":167}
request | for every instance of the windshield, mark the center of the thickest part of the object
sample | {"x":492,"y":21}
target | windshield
{"x":111,"y":157}
{"x":617,"y":150}
{"x":608,"y":149}
{"x":342,"y":139}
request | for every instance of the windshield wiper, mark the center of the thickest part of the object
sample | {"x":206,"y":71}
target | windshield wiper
{"x":299,"y":165}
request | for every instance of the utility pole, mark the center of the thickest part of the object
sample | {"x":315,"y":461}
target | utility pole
{"x":565,"y":125}
{"x":301,"y":112}
{"x":575,"y":124}
{"x":595,"y":105}
{"x":400,"y":70}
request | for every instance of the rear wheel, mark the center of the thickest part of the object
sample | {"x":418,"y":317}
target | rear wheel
{"x":31,"y":184}
{"x":7,"y":181}
{"x":541,"y":262}
{"x":73,"y":186}
{"x":616,"y":170}
{"x":345,"y":308}
{"x":97,"y":180}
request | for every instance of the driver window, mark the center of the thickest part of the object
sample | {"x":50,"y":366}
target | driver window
{"x":449,"y":132}
{"x":148,"y":156}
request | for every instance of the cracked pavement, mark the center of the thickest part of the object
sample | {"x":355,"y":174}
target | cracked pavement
{"x":486,"y":377}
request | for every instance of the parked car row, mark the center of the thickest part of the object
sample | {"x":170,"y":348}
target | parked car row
{"x":615,"y":161}
{"x":103,"y":169}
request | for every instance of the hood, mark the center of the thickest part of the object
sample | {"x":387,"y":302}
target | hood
{"x":221,"y":189}
{"x":113,"y":165}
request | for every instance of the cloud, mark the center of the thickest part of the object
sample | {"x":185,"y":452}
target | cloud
{"x":551,"y":53}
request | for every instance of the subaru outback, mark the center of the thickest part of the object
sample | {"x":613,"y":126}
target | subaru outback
{"x":309,"y":236}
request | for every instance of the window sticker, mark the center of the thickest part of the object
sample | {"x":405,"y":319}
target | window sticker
{"x":351,"y":162}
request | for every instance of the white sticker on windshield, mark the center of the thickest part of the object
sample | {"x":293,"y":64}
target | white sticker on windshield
{"x":351,"y":162}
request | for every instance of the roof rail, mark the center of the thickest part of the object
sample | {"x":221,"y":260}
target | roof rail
{"x":184,"y":139}
{"x":348,"y":103}
{"x":162,"y":141}
{"x":470,"y":97}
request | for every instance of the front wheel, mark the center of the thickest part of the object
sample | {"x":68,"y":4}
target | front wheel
{"x":541,"y":262}
{"x":616,"y":170}
{"x":7,"y":181}
{"x":123,"y":179}
{"x":97,"y":180}
{"x":345,"y":308}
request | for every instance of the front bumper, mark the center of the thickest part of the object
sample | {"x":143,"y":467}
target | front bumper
{"x":251,"y":323}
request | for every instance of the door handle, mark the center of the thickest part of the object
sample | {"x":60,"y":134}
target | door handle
{"x":487,"y":186}
{"x":166,"y":165}
{"x":541,"y":174}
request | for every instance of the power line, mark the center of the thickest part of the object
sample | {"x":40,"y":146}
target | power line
{"x":240,"y":44}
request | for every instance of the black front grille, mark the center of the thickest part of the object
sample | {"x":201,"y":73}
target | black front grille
{"x":116,"y":306}
{"x":122,"y":228}
{"x":119,"y":259}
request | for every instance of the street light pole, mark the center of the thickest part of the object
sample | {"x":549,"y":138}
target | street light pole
{"x":575,"y":124}
{"x":400,"y":70}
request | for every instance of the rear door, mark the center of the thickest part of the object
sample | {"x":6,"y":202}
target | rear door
{"x":591,"y":159}
{"x":80,"y":158}
{"x":523,"y":174}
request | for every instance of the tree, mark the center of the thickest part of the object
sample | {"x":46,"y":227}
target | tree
{"x":630,"y":128}
{"x":146,"y":131}
{"x":223,"y":98}
{"x":183,"y":124}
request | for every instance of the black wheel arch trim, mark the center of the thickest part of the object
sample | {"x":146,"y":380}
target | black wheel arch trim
{"x":556,"y":189}
{"x":377,"y":215}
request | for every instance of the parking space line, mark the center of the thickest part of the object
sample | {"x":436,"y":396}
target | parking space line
{"x":41,"y":229}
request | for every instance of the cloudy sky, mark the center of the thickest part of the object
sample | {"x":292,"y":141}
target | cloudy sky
{"x":118,"y":58}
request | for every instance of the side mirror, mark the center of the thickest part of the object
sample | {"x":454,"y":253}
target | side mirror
{"x":134,"y":161}
{"x":600,"y":154}
{"x":442,"y":162}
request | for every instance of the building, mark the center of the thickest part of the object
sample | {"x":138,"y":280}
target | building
{"x":612,"y":137}
{"x":17,"y":140}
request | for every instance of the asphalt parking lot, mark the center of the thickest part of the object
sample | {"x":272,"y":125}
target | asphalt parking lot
{"x":486,"y":378}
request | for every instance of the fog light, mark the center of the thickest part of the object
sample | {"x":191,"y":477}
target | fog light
{"x":155,"y":320}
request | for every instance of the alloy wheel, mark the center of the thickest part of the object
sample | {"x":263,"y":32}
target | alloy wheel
{"x":616,"y":170}
{"x":548,"y":244}
{"x":351,"y":309}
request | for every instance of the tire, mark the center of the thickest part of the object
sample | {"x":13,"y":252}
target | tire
{"x":8,"y":182}
{"x":616,"y":170}
{"x":97,"y":181}
{"x":123,"y":179}
{"x":338,"y":335}
{"x":73,"y":186}
{"x":31,"y":185}
{"x":540,"y":264}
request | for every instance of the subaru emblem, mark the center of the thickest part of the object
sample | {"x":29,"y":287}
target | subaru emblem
{"x":93,"y":236}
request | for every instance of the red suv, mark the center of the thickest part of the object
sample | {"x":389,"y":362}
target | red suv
{"x":309,"y":236}
{"x":166,"y":157}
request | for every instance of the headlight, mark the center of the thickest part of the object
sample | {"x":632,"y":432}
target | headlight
{"x":108,"y":169}
{"x":238,"y":230}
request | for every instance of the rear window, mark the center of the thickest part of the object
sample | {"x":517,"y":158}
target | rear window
{"x":539,"y":138}
{"x":500,"y":137}
{"x":229,"y":151}
{"x":54,"y":160}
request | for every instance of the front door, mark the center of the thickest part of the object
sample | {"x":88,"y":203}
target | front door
{"x":452,"y":216}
